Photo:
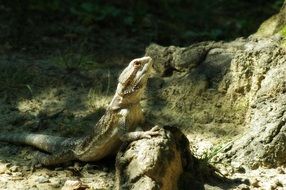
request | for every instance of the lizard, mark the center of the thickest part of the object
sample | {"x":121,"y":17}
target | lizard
{"x":122,"y":116}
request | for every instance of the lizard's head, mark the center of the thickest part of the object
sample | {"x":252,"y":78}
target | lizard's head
{"x":133,"y":79}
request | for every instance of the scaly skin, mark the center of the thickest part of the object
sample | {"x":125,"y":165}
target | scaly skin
{"x":122,"y":117}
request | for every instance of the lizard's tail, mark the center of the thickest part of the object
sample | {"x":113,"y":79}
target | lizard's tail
{"x":43,"y":142}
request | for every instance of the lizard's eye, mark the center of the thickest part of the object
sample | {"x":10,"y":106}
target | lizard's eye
{"x":137,"y":63}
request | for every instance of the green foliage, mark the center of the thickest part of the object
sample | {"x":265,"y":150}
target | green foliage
{"x":74,"y":61}
{"x":277,"y":4}
{"x":176,"y":22}
{"x":52,"y":5}
{"x":89,"y":12}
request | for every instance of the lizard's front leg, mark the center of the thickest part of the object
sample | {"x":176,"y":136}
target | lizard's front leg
{"x":136,"y":135}
{"x":125,"y":135}
{"x":54,"y":159}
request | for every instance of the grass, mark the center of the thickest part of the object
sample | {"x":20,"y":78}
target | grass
{"x":75,"y":83}
{"x":75,"y":61}
{"x":17,"y":79}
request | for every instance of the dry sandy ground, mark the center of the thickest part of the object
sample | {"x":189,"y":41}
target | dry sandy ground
{"x":67,"y":104}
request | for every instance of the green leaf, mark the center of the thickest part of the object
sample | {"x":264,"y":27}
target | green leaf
{"x":88,"y":7}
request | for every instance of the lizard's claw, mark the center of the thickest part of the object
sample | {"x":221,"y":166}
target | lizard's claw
{"x":156,"y":128}
{"x":132,"y":136}
{"x":155,"y":131}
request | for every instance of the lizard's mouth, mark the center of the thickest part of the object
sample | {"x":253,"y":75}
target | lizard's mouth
{"x":141,"y":76}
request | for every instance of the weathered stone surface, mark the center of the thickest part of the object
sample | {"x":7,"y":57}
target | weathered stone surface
{"x":264,"y":144}
{"x":155,"y":163}
{"x":230,"y":89}
{"x":196,"y":97}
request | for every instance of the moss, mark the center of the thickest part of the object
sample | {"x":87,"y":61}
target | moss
{"x":283,"y":31}
{"x":267,"y":28}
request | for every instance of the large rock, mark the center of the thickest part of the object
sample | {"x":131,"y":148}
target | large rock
{"x":265,"y":85}
{"x":155,"y":163}
{"x":229,"y":92}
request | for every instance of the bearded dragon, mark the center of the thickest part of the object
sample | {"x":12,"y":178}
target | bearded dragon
{"x":118,"y":124}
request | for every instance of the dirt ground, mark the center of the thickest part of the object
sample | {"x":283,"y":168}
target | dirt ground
{"x":44,"y":96}
{"x":58,"y":72}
